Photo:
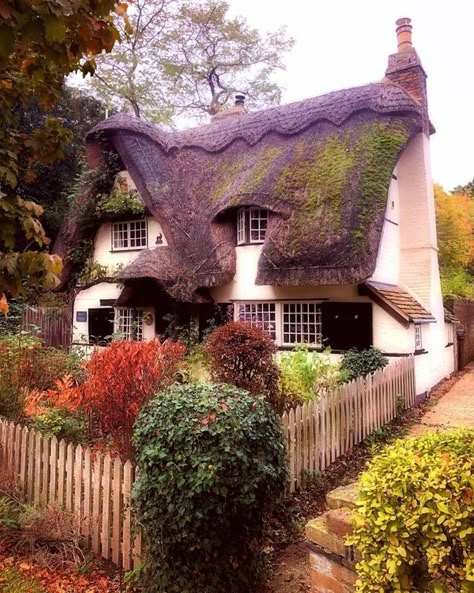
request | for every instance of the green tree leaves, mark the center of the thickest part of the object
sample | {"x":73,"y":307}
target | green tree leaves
{"x":188,"y":57}
{"x":40,"y":43}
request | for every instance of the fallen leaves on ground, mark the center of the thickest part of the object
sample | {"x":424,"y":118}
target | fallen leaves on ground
{"x":29,"y":576}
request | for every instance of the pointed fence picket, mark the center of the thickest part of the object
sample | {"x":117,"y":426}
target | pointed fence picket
{"x":97,"y":488}
{"x":323,"y":429}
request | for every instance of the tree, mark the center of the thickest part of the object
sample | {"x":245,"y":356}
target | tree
{"x":211,"y":56}
{"x":455,"y":226}
{"x":130,"y":77}
{"x":187,"y":57}
{"x":40,"y":43}
{"x":52,"y":184}
{"x":465,"y":190}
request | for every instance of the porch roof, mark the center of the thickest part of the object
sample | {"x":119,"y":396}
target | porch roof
{"x":399,"y":303}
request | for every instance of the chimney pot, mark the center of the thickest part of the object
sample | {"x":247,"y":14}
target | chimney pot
{"x":239,"y":99}
{"x":404,"y":31}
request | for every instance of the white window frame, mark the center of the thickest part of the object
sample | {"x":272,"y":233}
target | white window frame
{"x":450,"y":333}
{"x":241,"y":218}
{"x":127,"y":229}
{"x":300,"y":309}
{"x":250,"y":311}
{"x":128,"y":323}
{"x":418,"y":337}
{"x":261,"y":315}
{"x":248,"y":216}
{"x":258,"y":215}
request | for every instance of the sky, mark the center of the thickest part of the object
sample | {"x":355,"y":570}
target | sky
{"x":344,"y":43}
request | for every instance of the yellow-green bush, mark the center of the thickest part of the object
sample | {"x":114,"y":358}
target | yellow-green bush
{"x":414,"y":523}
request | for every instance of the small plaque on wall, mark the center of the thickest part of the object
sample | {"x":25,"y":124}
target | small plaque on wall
{"x":81,"y":315}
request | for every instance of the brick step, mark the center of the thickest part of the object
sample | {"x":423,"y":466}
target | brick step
{"x":329,"y":531}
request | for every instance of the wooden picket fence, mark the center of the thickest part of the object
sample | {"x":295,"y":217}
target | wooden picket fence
{"x":96,"y":488}
{"x":321,"y":430}
{"x":52,"y":324}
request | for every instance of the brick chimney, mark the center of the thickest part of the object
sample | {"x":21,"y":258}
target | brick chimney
{"x":404,"y":68}
{"x":238,"y":109}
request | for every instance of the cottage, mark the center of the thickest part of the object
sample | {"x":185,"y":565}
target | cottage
{"x":314,"y":220}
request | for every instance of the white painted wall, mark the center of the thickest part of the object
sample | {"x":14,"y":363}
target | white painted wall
{"x":387,"y":269}
{"x":419,"y":269}
{"x":103,"y":254}
{"x":90,"y":299}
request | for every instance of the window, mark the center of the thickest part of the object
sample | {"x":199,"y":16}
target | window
{"x":418,"y":337}
{"x":129,"y":323}
{"x":450,"y":327}
{"x":251,"y":225}
{"x":101,"y":325}
{"x":241,"y":226}
{"x":262,"y":315}
{"x":302,"y":323}
{"x":129,"y":235}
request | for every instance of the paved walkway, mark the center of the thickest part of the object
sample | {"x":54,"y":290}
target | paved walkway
{"x":454,"y":409}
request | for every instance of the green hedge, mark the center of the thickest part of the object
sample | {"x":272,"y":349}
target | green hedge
{"x":211,"y":463}
{"x":414,"y":523}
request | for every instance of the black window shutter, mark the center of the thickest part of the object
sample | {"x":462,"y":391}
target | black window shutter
{"x":347,"y":325}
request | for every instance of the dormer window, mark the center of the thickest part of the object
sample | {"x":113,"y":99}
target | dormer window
{"x":129,"y":235}
{"x":251,"y":225}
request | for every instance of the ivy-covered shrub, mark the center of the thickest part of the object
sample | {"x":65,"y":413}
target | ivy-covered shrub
{"x":359,"y":363}
{"x":211,"y":463}
{"x":119,"y":203}
{"x":414,"y":523}
{"x":121,"y":379}
{"x":304,"y":374}
{"x":242,"y":355}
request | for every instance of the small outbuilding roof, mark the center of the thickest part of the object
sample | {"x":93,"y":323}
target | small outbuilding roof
{"x":399,"y":302}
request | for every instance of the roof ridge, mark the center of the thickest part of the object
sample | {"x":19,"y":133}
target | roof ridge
{"x":335,"y":107}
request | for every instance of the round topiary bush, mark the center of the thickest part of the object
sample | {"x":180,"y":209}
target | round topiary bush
{"x":414,"y":523}
{"x":211,"y":463}
{"x":242,"y":355}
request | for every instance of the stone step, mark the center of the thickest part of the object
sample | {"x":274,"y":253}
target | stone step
{"x":343,"y":497}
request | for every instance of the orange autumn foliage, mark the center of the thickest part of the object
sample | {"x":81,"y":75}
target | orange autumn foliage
{"x":66,"y":395}
{"x":121,"y":379}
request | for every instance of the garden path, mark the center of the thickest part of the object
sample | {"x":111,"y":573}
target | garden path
{"x":454,"y":409}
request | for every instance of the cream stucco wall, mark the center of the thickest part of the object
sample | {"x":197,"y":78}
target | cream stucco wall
{"x":387,"y":269}
{"x":105,"y":256}
{"x":419,"y":269}
{"x":90,"y":299}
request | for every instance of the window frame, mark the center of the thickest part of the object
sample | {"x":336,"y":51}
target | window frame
{"x":133,"y":315}
{"x":278,"y":334}
{"x":418,"y":337}
{"x":246,"y":215}
{"x":271,"y":310}
{"x":241,"y":221}
{"x":114,"y":226}
{"x":317,"y":322}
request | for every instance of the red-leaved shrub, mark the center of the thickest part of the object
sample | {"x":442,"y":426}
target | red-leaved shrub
{"x":121,"y":379}
{"x":242,"y":355}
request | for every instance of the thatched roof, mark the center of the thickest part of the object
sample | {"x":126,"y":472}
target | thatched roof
{"x":321,"y":166}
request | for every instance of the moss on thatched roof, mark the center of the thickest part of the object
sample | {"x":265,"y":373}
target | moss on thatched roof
{"x":321,"y":166}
